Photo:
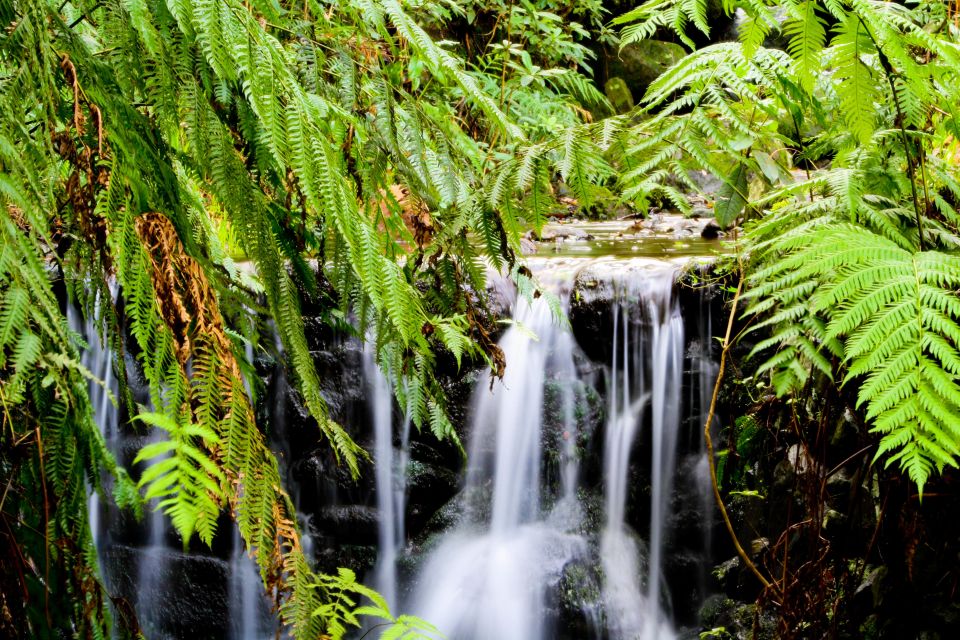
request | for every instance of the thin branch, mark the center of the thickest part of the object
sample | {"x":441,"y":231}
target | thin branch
{"x":709,"y":442}
{"x":911,"y":166}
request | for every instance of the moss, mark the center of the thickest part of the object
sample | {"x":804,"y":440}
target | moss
{"x":619,"y":95}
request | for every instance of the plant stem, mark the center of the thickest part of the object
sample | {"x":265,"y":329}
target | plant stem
{"x":709,"y":442}
{"x":911,"y":167}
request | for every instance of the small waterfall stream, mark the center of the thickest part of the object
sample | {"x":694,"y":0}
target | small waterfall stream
{"x":563,"y":490}
{"x":645,"y":377}
{"x":390,"y":478}
{"x":508,"y":558}
{"x":488,"y":577}
{"x":103,"y":389}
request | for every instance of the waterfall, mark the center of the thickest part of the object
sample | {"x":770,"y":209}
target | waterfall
{"x":557,"y":534}
{"x":390,"y":479}
{"x":705,"y":369}
{"x":151,"y":576}
{"x":250,"y":617}
{"x":488,"y":577}
{"x":249,"y":609}
{"x":645,"y":377}
{"x":98,"y":359}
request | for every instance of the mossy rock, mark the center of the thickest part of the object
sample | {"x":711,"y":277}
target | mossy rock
{"x":619,"y":95}
{"x":640,"y":63}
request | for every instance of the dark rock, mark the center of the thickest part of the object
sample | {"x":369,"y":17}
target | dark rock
{"x":713,"y":608}
{"x":727,"y":575}
{"x":429,"y":486}
{"x":191,"y":598}
{"x":870,"y":592}
{"x":579,"y":601}
{"x":358,"y":558}
{"x":354,"y":523}
{"x":735,"y":619}
{"x":711,"y":231}
{"x":447,"y":517}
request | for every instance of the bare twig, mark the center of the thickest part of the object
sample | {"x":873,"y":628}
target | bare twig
{"x":709,"y":442}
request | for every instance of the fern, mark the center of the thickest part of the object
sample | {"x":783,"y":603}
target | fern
{"x":851,"y":267}
{"x":856,"y":86}
{"x":807,"y":36}
{"x":164,"y":138}
{"x":897,"y":314}
{"x":182,"y":476}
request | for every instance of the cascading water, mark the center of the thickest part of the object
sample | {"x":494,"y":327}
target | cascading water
{"x":103,"y":389}
{"x":553,"y":538}
{"x":249,"y":608}
{"x":151,"y":574}
{"x":645,"y":376}
{"x":488,"y":578}
{"x":390,"y":479}
{"x":247,"y":602}
{"x":704,"y":371}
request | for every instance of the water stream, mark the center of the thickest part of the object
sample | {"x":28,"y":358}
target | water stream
{"x":544,"y":509}
{"x":645,"y":378}
{"x":390,"y":470}
{"x":488,"y":578}
{"x":103,"y":389}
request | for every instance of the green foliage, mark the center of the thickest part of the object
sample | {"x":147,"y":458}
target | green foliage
{"x":342,"y":594}
{"x":897,"y":313}
{"x":347,"y":155}
{"x":732,"y":196}
{"x":182,"y":476}
{"x":850,"y":264}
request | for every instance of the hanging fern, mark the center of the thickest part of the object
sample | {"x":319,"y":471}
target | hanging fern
{"x":146,"y":146}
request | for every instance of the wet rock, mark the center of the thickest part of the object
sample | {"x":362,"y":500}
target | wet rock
{"x":869,"y":593}
{"x":711,"y":230}
{"x":446,"y":518}
{"x":579,"y":601}
{"x":358,"y":558}
{"x":354,"y":523}
{"x":191,"y":597}
{"x":727,"y":574}
{"x":600,"y":284}
{"x":736,"y":620}
{"x":713,"y":607}
{"x":429,"y":486}
{"x":554,"y":232}
{"x":340,"y":370}
{"x":527,"y":246}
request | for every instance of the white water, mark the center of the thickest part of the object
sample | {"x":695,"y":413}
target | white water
{"x":645,"y":376}
{"x":249,"y":607}
{"x":706,"y":370}
{"x":490,"y":577}
{"x":151,"y":575}
{"x":390,"y":479}
{"x":103,"y":389}
{"x":250,"y":617}
{"x":487,"y":578}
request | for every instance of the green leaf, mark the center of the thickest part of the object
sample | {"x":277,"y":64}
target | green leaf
{"x":732,"y":196}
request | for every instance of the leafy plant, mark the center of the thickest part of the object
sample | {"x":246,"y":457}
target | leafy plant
{"x":850,"y":266}
{"x":147,"y":146}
